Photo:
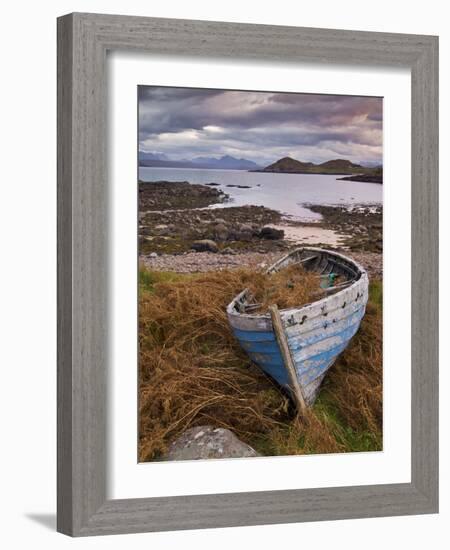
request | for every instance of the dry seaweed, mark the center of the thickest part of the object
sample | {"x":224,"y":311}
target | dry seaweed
{"x":193,"y":372}
{"x":290,"y":287}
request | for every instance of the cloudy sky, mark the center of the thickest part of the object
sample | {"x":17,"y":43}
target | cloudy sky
{"x":184,"y":123}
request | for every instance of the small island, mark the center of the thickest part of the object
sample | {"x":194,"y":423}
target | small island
{"x":375,"y":176}
{"x":357,"y":172}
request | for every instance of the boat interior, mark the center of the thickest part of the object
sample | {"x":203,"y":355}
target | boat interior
{"x":335,"y":273}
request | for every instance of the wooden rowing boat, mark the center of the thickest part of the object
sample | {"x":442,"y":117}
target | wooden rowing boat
{"x":297,"y":346}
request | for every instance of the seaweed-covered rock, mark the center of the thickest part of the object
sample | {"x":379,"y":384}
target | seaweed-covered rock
{"x":204,"y":442}
{"x":271,"y":233}
{"x":205,"y":245}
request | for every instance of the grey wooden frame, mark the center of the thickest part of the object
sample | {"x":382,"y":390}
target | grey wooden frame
{"x":83,"y":41}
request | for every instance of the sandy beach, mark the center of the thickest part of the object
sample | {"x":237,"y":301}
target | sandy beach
{"x":310,"y":234}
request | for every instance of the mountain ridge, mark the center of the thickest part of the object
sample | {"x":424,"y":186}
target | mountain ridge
{"x":226,"y":162}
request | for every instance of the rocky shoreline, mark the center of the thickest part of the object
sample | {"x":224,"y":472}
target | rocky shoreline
{"x":184,"y":228}
{"x":365,"y":178}
{"x":361,"y":225}
{"x":174,"y":218}
{"x":164,"y":195}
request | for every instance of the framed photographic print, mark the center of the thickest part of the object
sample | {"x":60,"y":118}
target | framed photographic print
{"x":247,"y":268}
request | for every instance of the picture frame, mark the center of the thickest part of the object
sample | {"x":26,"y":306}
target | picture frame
{"x":83,"y":41}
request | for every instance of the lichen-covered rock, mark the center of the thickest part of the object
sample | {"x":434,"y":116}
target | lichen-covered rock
{"x":204,"y":442}
{"x":205,"y":245}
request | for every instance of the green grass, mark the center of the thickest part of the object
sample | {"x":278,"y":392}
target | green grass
{"x":352,"y":440}
{"x":148,"y":279}
{"x":376,"y":293}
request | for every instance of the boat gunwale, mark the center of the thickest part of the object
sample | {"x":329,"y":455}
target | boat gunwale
{"x":363,"y":277}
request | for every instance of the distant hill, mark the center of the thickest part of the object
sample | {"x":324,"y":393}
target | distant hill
{"x":144,"y":157}
{"x":340,"y":164}
{"x":226,"y":162}
{"x":288,"y":165}
{"x":156,"y":163}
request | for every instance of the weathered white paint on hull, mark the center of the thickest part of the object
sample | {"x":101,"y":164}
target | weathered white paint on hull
{"x":316,"y":333}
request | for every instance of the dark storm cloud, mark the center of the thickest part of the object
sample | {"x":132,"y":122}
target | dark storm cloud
{"x":166,"y":94}
{"x":261,"y":126}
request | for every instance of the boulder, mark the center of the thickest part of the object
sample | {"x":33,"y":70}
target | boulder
{"x":245,"y":227}
{"x":221,"y":232}
{"x":203,"y":442}
{"x":243,"y":232}
{"x":271,"y":233}
{"x":205,"y":245}
{"x":242,"y":236}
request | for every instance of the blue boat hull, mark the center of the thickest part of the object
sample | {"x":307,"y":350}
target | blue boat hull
{"x":311,"y":367}
{"x":316,"y":334}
